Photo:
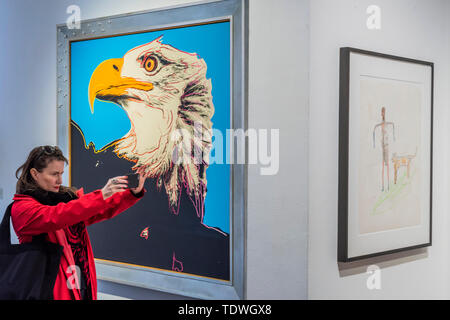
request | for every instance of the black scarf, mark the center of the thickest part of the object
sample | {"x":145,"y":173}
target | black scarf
{"x":50,"y":198}
{"x":75,"y":235}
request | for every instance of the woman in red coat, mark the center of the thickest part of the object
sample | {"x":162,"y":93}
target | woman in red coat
{"x":43,"y":205}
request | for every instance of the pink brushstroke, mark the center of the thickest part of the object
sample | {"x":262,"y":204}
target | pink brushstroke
{"x":176,"y":264}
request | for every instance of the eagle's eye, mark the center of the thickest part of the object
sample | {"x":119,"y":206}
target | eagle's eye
{"x":150,"y":64}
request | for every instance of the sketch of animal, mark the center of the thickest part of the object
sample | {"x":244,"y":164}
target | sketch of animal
{"x":163,"y":90}
{"x":402,"y":161}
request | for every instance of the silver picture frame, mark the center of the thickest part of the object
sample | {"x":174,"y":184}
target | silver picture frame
{"x":236,"y":11}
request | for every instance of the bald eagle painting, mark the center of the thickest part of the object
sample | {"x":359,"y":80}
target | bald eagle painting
{"x":150,"y":100}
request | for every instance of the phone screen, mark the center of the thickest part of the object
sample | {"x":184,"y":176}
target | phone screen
{"x":133,"y":180}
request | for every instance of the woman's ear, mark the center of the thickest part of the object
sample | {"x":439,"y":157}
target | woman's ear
{"x":34,"y":173}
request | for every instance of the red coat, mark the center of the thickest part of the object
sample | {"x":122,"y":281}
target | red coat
{"x":30,"y":218}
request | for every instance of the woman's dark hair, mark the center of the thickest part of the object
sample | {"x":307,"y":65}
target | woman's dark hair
{"x":39,"y":158}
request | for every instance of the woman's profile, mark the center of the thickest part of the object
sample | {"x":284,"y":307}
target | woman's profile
{"x":42,"y":205}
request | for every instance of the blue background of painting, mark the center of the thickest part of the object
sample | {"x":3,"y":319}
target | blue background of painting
{"x":109,"y":121}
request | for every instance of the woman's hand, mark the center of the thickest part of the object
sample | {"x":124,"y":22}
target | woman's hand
{"x":142,"y":177}
{"x":114,"y":185}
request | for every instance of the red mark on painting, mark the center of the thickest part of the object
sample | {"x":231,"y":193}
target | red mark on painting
{"x":144,"y":234}
{"x":176,"y":264}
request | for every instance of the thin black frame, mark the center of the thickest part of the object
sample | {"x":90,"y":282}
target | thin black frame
{"x":344,"y":111}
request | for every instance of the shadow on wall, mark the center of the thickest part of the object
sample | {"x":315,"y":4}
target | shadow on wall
{"x":356,"y":267}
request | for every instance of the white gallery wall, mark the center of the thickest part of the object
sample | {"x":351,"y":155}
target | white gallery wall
{"x":278,"y":99}
{"x":410,"y":28}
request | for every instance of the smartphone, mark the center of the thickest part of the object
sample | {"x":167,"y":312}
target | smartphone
{"x":133,"y":180}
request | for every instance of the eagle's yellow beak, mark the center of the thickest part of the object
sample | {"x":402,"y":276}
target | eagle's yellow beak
{"x":106,"y":82}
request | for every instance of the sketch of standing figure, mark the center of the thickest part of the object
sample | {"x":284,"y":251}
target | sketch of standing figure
{"x":383,"y":125}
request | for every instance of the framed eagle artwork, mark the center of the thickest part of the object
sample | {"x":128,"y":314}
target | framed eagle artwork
{"x":160,"y":91}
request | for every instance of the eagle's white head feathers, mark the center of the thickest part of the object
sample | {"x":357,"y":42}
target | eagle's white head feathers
{"x":167,"y":97}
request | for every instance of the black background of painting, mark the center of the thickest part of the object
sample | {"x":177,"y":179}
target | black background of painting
{"x":202,"y":251}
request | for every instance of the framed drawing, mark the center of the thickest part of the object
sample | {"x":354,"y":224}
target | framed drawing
{"x":158,"y":90}
{"x":385,"y":154}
